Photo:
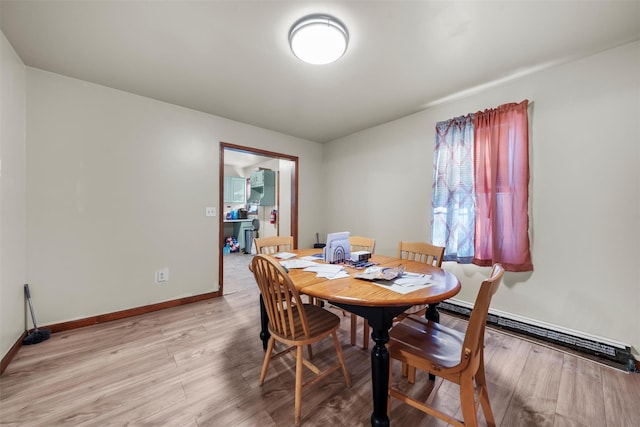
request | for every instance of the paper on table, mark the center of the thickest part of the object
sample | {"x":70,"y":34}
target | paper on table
{"x":402,"y":289}
{"x":285,"y":255}
{"x":338,"y":275}
{"x":330,"y":271}
{"x":412,"y":281}
{"x":419,"y":275}
{"x":297,"y":263}
{"x":378,"y":273}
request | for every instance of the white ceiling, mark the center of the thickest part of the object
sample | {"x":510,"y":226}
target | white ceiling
{"x":241,"y":159}
{"x":231,"y":58}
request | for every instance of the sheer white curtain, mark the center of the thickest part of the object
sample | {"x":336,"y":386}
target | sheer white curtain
{"x":453,"y":214}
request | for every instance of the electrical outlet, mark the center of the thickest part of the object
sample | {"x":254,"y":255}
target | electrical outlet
{"x":210,"y":211}
{"x":162,"y":275}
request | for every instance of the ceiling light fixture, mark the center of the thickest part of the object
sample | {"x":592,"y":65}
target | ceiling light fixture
{"x":318,"y":39}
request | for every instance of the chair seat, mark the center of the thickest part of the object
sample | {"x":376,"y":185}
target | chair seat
{"x":321,"y":323}
{"x":425,"y":339}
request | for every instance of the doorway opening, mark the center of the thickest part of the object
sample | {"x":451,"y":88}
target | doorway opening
{"x":242,"y":212}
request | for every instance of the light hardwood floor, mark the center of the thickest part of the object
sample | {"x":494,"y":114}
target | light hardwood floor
{"x":198,"y":365}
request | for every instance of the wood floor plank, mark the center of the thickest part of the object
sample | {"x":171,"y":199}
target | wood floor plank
{"x":621,"y":398}
{"x":574,"y":406}
{"x":109,"y":408}
{"x":504,"y":366}
{"x":536,"y":393}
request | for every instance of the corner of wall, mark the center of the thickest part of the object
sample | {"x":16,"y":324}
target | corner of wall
{"x":12,"y":192}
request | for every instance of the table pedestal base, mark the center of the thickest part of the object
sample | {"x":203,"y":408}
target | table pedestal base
{"x":380,"y":319}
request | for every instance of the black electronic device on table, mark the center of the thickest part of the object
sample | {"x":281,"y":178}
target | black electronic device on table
{"x":359,"y":264}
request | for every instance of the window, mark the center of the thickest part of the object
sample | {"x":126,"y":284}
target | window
{"x":480,"y":188}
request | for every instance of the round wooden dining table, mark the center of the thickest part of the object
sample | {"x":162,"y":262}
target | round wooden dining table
{"x":376,"y":303}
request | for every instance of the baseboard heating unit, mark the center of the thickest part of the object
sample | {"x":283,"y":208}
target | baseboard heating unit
{"x":613,"y":354}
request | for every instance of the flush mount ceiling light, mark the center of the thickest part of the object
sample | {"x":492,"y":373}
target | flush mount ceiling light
{"x":318,"y":39}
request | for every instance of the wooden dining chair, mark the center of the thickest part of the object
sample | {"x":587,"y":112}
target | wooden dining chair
{"x":294,"y":324}
{"x":421,"y":252}
{"x":274,"y":244}
{"x":449,"y":354}
{"x":359,"y":243}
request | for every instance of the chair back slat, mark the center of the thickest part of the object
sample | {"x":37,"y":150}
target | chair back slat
{"x":474,"y":336}
{"x":282,"y":301}
{"x":359,"y":243}
{"x":421,"y":252}
{"x":274,"y":244}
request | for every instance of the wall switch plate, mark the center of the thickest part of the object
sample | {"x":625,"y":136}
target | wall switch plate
{"x":210,"y":211}
{"x":162,"y":275}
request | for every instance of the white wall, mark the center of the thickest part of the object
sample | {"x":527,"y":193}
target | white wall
{"x":12,"y":196}
{"x":117,"y":188}
{"x":585,"y":192}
